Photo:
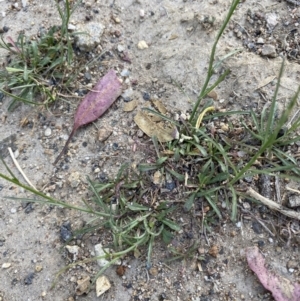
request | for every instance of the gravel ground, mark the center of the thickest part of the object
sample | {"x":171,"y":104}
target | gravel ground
{"x":178,"y":35}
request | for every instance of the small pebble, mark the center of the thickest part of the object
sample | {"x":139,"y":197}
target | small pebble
{"x":48,"y":132}
{"x":65,"y":231}
{"x":13,"y":210}
{"x":120,"y":48}
{"x":6,"y":265}
{"x":38,"y":268}
{"x":142,"y":13}
{"x":28,"y":279}
{"x":142,"y":45}
{"x":146,"y":96}
{"x":125,"y":73}
{"x":257,"y":228}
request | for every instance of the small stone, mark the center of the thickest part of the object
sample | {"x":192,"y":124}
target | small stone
{"x":65,"y":231}
{"x":146,"y":96}
{"x":157,"y":178}
{"x":292,"y":264}
{"x":38,"y":268}
{"x":125,"y":73}
{"x":153,"y":271}
{"x":257,"y":228}
{"x":214,"y":251}
{"x":117,"y":19}
{"x":260,"y":41}
{"x":88,"y":76}
{"x":48,"y":132}
{"x":74,"y":179}
{"x":71,"y":27}
{"x":140,"y":134}
{"x":74,"y":250}
{"x":103,"y":134}
{"x":238,"y":224}
{"x":142,"y":45}
{"x":120,"y":48}
{"x":142,"y":13}
{"x":13,"y":210}
{"x":294,"y":201}
{"x":83,"y":286}
{"x":43,"y":294}
{"x":271,"y":19}
{"x":6,"y":265}
{"x":91,"y":38}
{"x":102,"y":285}
{"x":101,"y":252}
{"x":24,"y":3}
{"x":127,"y":94}
{"x":28,"y":279}
{"x":269,"y":50}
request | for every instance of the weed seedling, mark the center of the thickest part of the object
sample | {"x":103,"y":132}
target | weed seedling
{"x":39,"y":69}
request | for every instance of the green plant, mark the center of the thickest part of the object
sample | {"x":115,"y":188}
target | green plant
{"x":39,"y":69}
{"x":209,"y":159}
{"x":118,"y":205}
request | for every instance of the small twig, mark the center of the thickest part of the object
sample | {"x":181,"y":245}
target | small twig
{"x":19,"y":168}
{"x":293,"y":190}
{"x":277,"y":189}
{"x":258,"y":220}
{"x":273,"y":205}
{"x":148,"y":278}
{"x":292,"y":119}
{"x":167,"y":266}
{"x":290,"y":235}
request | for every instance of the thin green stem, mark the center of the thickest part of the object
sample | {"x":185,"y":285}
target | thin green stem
{"x":212,"y":58}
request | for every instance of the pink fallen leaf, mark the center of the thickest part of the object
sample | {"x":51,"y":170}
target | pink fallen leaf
{"x":95,"y":103}
{"x":281,"y":288}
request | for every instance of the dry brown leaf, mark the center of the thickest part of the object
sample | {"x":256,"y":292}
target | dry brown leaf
{"x":151,"y":128}
{"x":213,"y":94}
{"x":130,"y":106}
{"x":160,"y":106}
{"x":265,"y":81}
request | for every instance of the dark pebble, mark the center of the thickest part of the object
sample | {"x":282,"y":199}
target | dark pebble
{"x":1,"y":96}
{"x":14,"y":281}
{"x":170,"y":185}
{"x":126,"y":99}
{"x":146,"y":96}
{"x":96,"y":11}
{"x":28,"y":279}
{"x":65,"y":231}
{"x":29,"y":208}
{"x":102,"y":177}
{"x":260,"y":243}
{"x":87,"y":76}
{"x":1,"y":187}
{"x":257,"y":228}
{"x":251,"y":46}
{"x":81,"y":92}
{"x":84,"y":144}
{"x":115,"y":146}
{"x":5,"y":28}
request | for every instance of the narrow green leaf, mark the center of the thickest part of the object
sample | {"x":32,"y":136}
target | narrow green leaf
{"x":172,"y":225}
{"x":190,"y":202}
{"x":137,"y":207}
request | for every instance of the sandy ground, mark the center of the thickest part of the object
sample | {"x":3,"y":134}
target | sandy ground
{"x":179,"y":47}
